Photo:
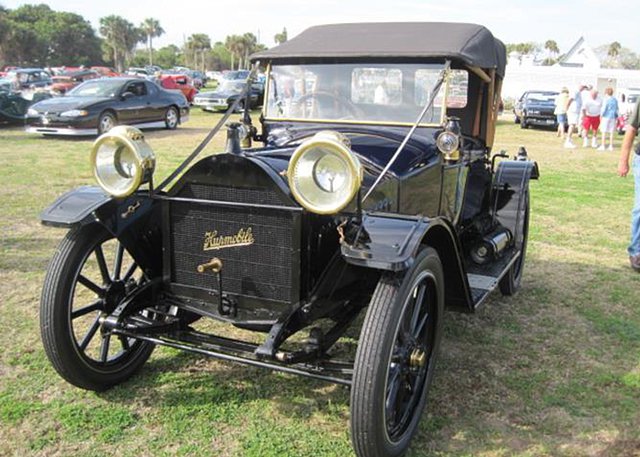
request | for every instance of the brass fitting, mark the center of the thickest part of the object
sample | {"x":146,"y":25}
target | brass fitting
{"x":214,"y":265}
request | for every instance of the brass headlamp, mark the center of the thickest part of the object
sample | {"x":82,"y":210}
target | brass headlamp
{"x":122,"y":161}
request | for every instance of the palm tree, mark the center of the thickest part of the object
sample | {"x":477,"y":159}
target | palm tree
{"x":249,"y":42}
{"x":281,"y":37}
{"x":152,"y":29}
{"x":121,"y":37}
{"x":234,"y":44}
{"x":197,"y":44}
{"x":614,"y":49}
{"x":552,"y":47}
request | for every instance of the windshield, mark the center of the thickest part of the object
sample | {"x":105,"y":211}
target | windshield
{"x":232,"y":75}
{"x":234,"y":86}
{"x":542,"y":97}
{"x":385,"y":93}
{"x":97,"y":88}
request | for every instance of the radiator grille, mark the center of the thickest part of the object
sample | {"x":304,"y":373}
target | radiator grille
{"x":263,"y":269}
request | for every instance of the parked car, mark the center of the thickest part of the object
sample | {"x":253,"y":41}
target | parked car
{"x":30,"y":78}
{"x":225,"y":95}
{"x":214,"y":76}
{"x":367,"y":194}
{"x":535,"y":108}
{"x":106,"y":72}
{"x":179,"y":82}
{"x":67,"y":81}
{"x":96,"y":106}
{"x":14,"y":105}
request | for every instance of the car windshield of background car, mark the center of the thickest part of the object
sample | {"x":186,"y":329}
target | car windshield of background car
{"x":382,"y":93}
{"x":548,"y":98}
{"x":233,"y":86}
{"x":97,"y":88}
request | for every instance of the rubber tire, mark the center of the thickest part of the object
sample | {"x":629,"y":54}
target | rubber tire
{"x":240,"y":107}
{"x":523,"y":123}
{"x":55,"y":325}
{"x":512,"y":280}
{"x":167,"y":123}
{"x":368,"y":432}
{"x":102,"y":116}
{"x":516,"y":120}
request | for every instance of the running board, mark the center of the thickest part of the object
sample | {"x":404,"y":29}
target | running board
{"x":338,"y":372}
{"x":484,"y":279}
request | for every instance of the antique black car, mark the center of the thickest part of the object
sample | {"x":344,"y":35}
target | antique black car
{"x":369,"y":203}
{"x":96,"y":106}
{"x":536,"y":108}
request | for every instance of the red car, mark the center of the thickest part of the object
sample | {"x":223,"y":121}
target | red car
{"x":179,"y":82}
{"x":68,"y":81}
{"x":106,"y":72}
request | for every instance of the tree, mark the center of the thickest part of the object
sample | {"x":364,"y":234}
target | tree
{"x":614,"y":49}
{"x":219,"y":58}
{"x":121,"y":38}
{"x":152,"y":29}
{"x":196,"y":46}
{"x":249,"y":43}
{"x":168,"y":56}
{"x":552,"y":47}
{"x":234,"y":44}
{"x":281,"y":37}
{"x":37,"y":35}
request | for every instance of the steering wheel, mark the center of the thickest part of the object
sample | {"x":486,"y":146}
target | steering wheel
{"x":350,"y":110}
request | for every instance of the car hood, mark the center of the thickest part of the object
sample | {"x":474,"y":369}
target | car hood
{"x":60,"y":104}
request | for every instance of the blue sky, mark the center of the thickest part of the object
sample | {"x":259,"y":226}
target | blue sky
{"x":511,"y":21}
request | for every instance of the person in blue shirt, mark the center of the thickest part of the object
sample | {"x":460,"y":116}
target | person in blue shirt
{"x":608,"y":117}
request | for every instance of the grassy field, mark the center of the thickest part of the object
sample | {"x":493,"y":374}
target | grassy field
{"x":553,"y":371}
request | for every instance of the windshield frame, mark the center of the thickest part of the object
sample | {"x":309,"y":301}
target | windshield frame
{"x":444,"y":90}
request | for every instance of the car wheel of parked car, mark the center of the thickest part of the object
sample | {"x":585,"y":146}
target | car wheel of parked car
{"x":240,"y":107}
{"x":83,"y":284}
{"x":523,"y":123}
{"x":106,"y":122}
{"x":516,"y":120}
{"x":171,"y":118}
{"x":395,"y":359}
{"x":510,"y":282}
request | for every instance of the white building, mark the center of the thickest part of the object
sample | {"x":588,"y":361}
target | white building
{"x":578,"y":66}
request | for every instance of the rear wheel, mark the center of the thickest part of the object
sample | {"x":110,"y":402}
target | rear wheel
{"x":395,"y":360}
{"x":87,"y":279}
{"x":511,"y":281}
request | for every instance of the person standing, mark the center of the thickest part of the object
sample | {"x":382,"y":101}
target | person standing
{"x":609,"y":116}
{"x":573,"y":114}
{"x":623,"y":170}
{"x":591,"y":119}
{"x":562,"y":103}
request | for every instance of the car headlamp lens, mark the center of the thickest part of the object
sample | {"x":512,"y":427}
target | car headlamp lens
{"x":74,"y":113}
{"x":122,"y":161}
{"x":324,"y":175}
{"x":448,"y":142}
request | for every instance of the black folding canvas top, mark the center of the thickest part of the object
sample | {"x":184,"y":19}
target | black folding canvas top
{"x":470,"y":43}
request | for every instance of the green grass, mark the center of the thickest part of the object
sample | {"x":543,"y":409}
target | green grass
{"x":553,"y":371}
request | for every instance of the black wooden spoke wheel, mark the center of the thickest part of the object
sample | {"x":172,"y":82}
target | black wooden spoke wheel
{"x":88,"y":277}
{"x":396,"y":356}
{"x":511,"y":281}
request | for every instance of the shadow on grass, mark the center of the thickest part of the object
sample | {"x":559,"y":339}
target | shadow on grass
{"x":552,"y":371}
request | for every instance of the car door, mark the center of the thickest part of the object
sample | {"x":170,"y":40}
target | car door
{"x":132,"y":103}
{"x":156,"y":104}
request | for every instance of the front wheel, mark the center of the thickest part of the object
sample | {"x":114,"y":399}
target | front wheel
{"x":171,"y":118}
{"x":106,"y":122}
{"x":396,"y":357}
{"x":523,"y":123}
{"x":88,"y":277}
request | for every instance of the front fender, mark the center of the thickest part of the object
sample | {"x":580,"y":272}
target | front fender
{"x":391,"y":243}
{"x":134,"y":221}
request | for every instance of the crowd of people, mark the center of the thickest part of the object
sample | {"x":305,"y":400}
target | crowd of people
{"x":587,"y":115}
